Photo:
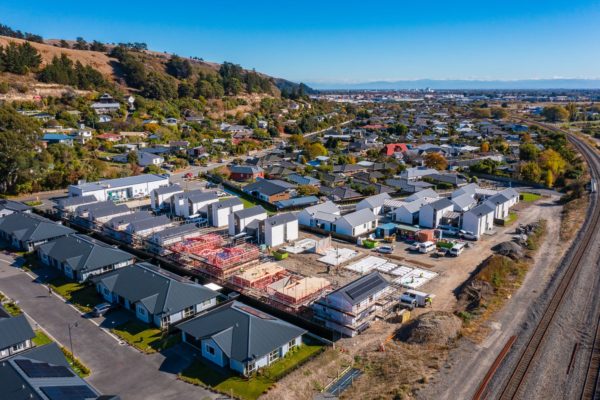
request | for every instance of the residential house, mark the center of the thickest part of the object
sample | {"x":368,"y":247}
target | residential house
{"x":79,"y":257}
{"x":57,"y":138}
{"x":417,"y":173}
{"x":9,"y":207}
{"x":158,"y":242}
{"x":240,"y":337}
{"x":105,"y":104}
{"x":463,"y":202}
{"x":218,"y":212}
{"x":192,"y":204}
{"x":68,"y":205}
{"x":239,"y":220}
{"x":146,"y":227}
{"x":320,"y":215}
{"x":340,"y":193}
{"x":297,"y":202}
{"x":395,"y":149}
{"x":406,"y":185}
{"x":356,"y":224}
{"x":269,"y":190}
{"x":278,"y":229}
{"x":27,"y":231}
{"x":128,"y":188}
{"x":351,"y":309}
{"x":373,"y":203}
{"x":431,"y":214}
{"x":145,"y":159}
{"x":502,"y":202}
{"x":479,"y":219}
{"x":408,"y":213}
{"x":16,"y":334}
{"x":246,"y":172}
{"x":101,"y":212}
{"x":160,"y":198}
{"x":154,"y":295}
{"x":303,"y":180}
{"x":422,"y":194}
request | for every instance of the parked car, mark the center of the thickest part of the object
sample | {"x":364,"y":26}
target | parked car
{"x":385,"y":249}
{"x":467,"y":235}
{"x":189,"y":175}
{"x":457,"y":249}
{"x":101,"y":309}
{"x":426,"y":247}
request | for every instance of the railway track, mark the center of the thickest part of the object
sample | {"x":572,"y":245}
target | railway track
{"x":514,"y":386}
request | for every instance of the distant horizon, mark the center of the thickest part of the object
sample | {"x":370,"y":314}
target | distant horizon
{"x":346,"y":41}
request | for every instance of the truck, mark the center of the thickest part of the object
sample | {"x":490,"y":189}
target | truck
{"x":414,"y":298}
{"x":457,"y":249}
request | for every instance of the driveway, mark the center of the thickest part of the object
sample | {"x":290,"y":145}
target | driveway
{"x":116,"y":368}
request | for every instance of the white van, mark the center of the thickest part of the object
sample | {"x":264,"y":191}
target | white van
{"x":415,"y":298}
{"x":457,"y":249}
{"x":426,"y":247}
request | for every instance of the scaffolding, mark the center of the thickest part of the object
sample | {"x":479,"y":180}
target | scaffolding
{"x":198,"y":244}
{"x":295,"y":291}
{"x":259,"y":276}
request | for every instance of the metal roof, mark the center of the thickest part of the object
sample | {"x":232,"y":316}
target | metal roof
{"x":243,"y":333}
{"x":250,"y":212}
{"x":168,"y":189}
{"x":121,"y":182}
{"x":28,"y":227}
{"x":229,"y":202}
{"x":13,"y":205}
{"x":281,"y":219}
{"x":14,"y":330}
{"x":266,"y":187}
{"x":76,"y":201}
{"x":358,"y":217}
{"x":363,"y":287}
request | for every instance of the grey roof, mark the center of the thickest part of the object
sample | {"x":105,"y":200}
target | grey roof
{"x":82,"y":253}
{"x":360,"y":289}
{"x":198,"y":196}
{"x":324,"y":216}
{"x":32,"y":228}
{"x":421,"y":194}
{"x":76,"y":201}
{"x":376,"y":201}
{"x":120,"y":182}
{"x":242,"y":332}
{"x":265,"y":187}
{"x":149,"y":223}
{"x":339,"y":193}
{"x":14,"y":330}
{"x":470,"y":189}
{"x":175,"y":231}
{"x":245,"y":169}
{"x":13,"y":206}
{"x":441,"y":204}
{"x":281,"y":219}
{"x":482,"y":209}
{"x":159,"y":291}
{"x":229,"y":202}
{"x":250,"y":212}
{"x":130,"y":218}
{"x":359,"y":217}
{"x":102,"y":209}
{"x":463,"y":201}
{"x":328,"y":207}
{"x":168,"y":189}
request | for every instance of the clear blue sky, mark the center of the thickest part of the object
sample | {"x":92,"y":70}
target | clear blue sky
{"x":343,"y":41}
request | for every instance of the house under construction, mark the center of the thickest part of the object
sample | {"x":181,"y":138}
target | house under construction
{"x":259,"y":276}
{"x":295,"y":291}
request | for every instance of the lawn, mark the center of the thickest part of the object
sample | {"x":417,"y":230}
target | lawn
{"x":81,"y":296}
{"x":144,"y":337}
{"x":530,"y":197}
{"x":41,"y":338}
{"x":12,"y":308}
{"x":203,"y":374}
{"x":512,"y":217}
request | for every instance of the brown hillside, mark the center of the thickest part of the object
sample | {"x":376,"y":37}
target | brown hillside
{"x":99,"y":61}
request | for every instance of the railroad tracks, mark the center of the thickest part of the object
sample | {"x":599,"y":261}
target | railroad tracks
{"x":514,"y":386}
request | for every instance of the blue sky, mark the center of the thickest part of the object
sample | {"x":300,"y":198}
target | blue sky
{"x":343,"y":41}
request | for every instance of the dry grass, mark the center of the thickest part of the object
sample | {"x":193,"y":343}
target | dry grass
{"x":573,"y":216}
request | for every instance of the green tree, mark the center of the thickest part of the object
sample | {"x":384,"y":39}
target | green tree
{"x":555,"y":114}
{"x":499,"y":113}
{"x":528,"y":152}
{"x":530,"y":171}
{"x":80,"y":44}
{"x":482,"y":113}
{"x":179,"y":67}
{"x":19,"y":58}
{"x":553,"y":161}
{"x":316,"y":149}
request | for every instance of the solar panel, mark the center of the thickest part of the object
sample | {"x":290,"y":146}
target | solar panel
{"x":43,"y":370}
{"x":80,"y":392}
{"x":364,"y":287}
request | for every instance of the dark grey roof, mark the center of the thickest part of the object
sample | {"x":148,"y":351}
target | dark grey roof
{"x":159,"y":291}
{"x":198,"y":196}
{"x":360,"y":289}
{"x":265,"y":187}
{"x":82,"y":253}
{"x":358,"y":217}
{"x":13,"y":206}
{"x":14,"y":330}
{"x":482,"y":209}
{"x":339,"y":193}
{"x":242,"y":332}
{"x":441,"y":203}
{"x":281,"y":219}
{"x":230,"y":202}
{"x":76,"y":201}
{"x":175,"y":231}
{"x":153,"y":222}
{"x":250,"y":212}
{"x":245,"y":169}
{"x":32,"y":228}
{"x":168,"y":189}
{"x":130,"y":218}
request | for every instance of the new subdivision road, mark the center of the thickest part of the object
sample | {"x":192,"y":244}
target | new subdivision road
{"x":557,"y":355}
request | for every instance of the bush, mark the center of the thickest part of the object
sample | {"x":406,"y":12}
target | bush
{"x":4,"y":87}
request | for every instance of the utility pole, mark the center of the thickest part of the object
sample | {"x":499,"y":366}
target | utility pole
{"x":69,"y":326}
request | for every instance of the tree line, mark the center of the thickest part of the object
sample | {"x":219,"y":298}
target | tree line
{"x":8,"y":31}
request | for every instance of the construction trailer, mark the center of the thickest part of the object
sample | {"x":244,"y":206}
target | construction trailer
{"x":295,"y":291}
{"x":259,"y":276}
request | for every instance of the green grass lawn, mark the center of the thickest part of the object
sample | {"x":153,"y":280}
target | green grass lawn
{"x":41,"y":338}
{"x":81,"y":296}
{"x":144,"y":337}
{"x":530,"y":197}
{"x":512,"y":217}
{"x":228,"y":382}
{"x":12,"y":309}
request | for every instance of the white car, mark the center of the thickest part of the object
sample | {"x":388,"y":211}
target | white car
{"x":385,"y":249}
{"x":467,"y":235}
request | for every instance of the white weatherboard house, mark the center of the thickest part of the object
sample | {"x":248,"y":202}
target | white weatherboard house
{"x":239,"y":220}
{"x":278,"y":229}
{"x":431,"y":213}
{"x":160,"y":197}
{"x":356,"y":224}
{"x":463,"y":202}
{"x":408,"y":213}
{"x":502,"y":202}
{"x":240,"y":337}
{"x":320,"y":215}
{"x":218,"y":213}
{"x":193,"y":204}
{"x":154,"y":295}
{"x":16,"y":334}
{"x":373,"y":203}
{"x":479,"y":219}
{"x":120,"y":189}
{"x":350,"y":309}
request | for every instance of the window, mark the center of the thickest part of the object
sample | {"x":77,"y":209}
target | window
{"x":274,"y":355}
{"x":18,"y":347}
{"x":210,"y":350}
{"x":188,"y":312}
{"x":250,"y":367}
{"x":292,"y":344}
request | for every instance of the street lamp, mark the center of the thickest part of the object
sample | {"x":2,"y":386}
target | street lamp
{"x":69,"y":326}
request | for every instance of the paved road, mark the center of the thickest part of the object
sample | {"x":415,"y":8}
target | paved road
{"x":116,"y":368}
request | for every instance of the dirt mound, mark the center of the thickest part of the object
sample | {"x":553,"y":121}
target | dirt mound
{"x":435,"y":327}
{"x":475,"y":293}
{"x":509,"y":249}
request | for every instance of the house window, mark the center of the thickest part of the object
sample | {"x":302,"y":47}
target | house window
{"x":19,"y":347}
{"x":292,"y":344}
{"x":210,"y":350}
{"x":188,"y":312}
{"x":274,"y":355}
{"x":250,"y":367}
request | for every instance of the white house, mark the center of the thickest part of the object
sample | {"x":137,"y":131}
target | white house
{"x":239,"y":337}
{"x":408,"y":213}
{"x":146,"y":227}
{"x":463,"y":202}
{"x":479,"y":220}
{"x":421,"y":194}
{"x":355,"y":224}
{"x":278,"y":229}
{"x":160,"y":198}
{"x":16,"y":334}
{"x":120,"y":189}
{"x":431,"y":213}
{"x":319,"y":215}
{"x":502,"y":202}
{"x":145,"y":159}
{"x":218,"y":213}
{"x":192,"y":204}
{"x":239,"y":220}
{"x":373,"y":203}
